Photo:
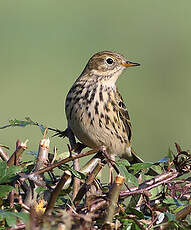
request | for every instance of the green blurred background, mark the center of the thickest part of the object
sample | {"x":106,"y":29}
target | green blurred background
{"x":45,"y":44}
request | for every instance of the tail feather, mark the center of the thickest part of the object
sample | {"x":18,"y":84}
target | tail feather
{"x":135,"y":158}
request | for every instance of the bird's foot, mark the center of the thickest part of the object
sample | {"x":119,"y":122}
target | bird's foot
{"x":59,"y":133}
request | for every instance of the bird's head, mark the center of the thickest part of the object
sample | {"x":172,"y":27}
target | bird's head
{"x":107,"y":66}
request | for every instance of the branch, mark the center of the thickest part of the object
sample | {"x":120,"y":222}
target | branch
{"x":113,"y":201}
{"x":152,"y":183}
{"x":13,"y":160}
{"x":55,"y":193}
{"x":4,"y":156}
{"x":66,"y":160}
{"x":85,"y":187}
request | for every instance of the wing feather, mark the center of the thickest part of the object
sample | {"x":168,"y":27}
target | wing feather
{"x":123,"y":114}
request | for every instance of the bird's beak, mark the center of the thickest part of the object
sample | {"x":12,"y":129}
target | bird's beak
{"x":129,"y":64}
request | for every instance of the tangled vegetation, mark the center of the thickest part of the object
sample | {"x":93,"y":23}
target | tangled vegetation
{"x":52,"y":193}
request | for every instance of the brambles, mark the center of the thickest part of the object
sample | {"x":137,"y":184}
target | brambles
{"x":33,"y":195}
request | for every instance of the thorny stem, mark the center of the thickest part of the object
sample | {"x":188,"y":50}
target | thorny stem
{"x":43,"y":150}
{"x":13,"y":160}
{"x":24,"y":206}
{"x":33,"y":218}
{"x":76,"y":185}
{"x":149,"y":184}
{"x":17,"y":227}
{"x":4,"y":156}
{"x":98,"y":205}
{"x":76,"y":163}
{"x":56,"y":192}
{"x":66,"y":160}
{"x":183,"y":213}
{"x":85,"y":187}
{"x":119,"y":180}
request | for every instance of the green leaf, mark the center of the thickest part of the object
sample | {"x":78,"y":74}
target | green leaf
{"x":134,"y":211}
{"x":139,"y":166}
{"x":30,"y":120}
{"x":23,"y":216}
{"x":19,"y":123}
{"x":130,"y":178}
{"x":3,"y":169}
{"x":11,"y":217}
{"x":5,"y":190}
{"x":179,"y":209}
{"x":40,"y":189}
{"x":123,"y":162}
{"x":23,"y":123}
{"x":171,"y":217}
{"x":7,"y":174}
{"x":74,"y":172}
{"x":173,"y":201}
{"x":129,"y":224}
{"x":169,"y":200}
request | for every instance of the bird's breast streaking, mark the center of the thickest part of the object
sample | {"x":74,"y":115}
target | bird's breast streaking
{"x":95,"y":109}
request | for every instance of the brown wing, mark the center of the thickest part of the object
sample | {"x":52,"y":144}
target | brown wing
{"x":123,"y":114}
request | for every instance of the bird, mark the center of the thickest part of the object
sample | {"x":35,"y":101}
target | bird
{"x":95,"y":110}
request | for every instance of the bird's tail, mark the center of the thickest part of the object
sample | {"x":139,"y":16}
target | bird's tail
{"x":135,"y":158}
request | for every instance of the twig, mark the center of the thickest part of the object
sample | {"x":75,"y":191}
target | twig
{"x":11,"y":198}
{"x":119,"y":180}
{"x":183,"y":213}
{"x":43,"y":150}
{"x":68,"y":159}
{"x":85,"y":187}
{"x":56,"y":192}
{"x":178,"y":148}
{"x":33,"y":220}
{"x":98,"y":205}
{"x":4,"y":156}
{"x":76,"y":163}
{"x":152,"y":183}
{"x":13,"y":160}
{"x":76,"y":184}
{"x":24,"y":206}
{"x":17,"y":227}
{"x":29,"y":193}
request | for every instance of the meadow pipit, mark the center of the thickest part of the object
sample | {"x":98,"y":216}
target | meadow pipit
{"x":95,"y":110}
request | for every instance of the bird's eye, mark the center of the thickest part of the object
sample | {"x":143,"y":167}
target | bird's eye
{"x":109,"y":61}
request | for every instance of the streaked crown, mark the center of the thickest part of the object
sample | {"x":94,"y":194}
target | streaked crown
{"x":107,"y":64}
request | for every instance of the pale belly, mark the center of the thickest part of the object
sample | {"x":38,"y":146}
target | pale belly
{"x":93,"y":132}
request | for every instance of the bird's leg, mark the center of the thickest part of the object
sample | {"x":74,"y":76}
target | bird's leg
{"x":110,"y":174}
{"x":104,"y":151}
{"x":111,"y":163}
{"x":71,"y":138}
